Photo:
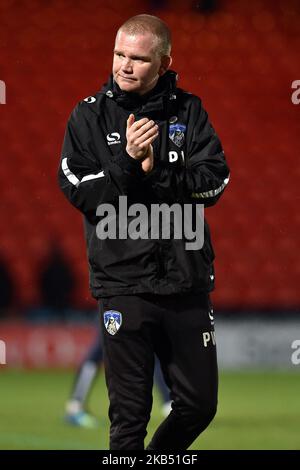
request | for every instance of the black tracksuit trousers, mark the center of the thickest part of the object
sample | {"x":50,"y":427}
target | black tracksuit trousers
{"x":179,"y":329}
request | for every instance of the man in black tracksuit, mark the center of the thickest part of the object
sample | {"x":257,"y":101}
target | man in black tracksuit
{"x":143,"y":139}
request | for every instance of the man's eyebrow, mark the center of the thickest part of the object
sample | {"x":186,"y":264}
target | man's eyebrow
{"x":134,"y":56}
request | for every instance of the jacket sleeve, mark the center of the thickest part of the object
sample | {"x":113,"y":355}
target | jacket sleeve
{"x":83,"y":180}
{"x":205,"y":174}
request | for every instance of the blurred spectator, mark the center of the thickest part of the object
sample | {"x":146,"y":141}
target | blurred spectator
{"x":7,"y":290}
{"x":57,"y":281}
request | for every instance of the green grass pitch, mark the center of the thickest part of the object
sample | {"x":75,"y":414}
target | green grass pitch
{"x":257,"y":410}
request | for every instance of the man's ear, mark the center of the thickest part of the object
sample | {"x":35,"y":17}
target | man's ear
{"x":166,"y":62}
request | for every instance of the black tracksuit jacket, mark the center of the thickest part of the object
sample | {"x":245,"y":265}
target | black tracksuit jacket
{"x":189,"y":167}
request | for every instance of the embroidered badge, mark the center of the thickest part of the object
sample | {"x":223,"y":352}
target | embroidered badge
{"x":90,"y":99}
{"x":113,"y":138}
{"x":112,"y":321}
{"x":176,"y":133}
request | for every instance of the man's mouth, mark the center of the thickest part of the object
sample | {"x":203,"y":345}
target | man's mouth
{"x":127,"y":78}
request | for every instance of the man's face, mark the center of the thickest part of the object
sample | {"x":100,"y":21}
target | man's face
{"x":136,"y":64}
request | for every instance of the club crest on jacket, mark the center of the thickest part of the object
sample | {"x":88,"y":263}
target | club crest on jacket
{"x":176,"y":133}
{"x":112,"y":321}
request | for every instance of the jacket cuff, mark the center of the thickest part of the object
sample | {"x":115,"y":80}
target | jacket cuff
{"x":129,"y":164}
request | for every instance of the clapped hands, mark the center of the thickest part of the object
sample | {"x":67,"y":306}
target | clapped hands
{"x":140,"y":135}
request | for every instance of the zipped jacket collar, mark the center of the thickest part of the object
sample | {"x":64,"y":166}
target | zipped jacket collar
{"x":154,"y":100}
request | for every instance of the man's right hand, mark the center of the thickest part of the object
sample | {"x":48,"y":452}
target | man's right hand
{"x":148,"y":161}
{"x":140,"y":135}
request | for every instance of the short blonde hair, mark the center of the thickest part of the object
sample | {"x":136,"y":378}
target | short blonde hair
{"x":140,"y":24}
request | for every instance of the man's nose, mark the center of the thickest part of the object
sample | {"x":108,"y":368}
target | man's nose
{"x":127,"y":64}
